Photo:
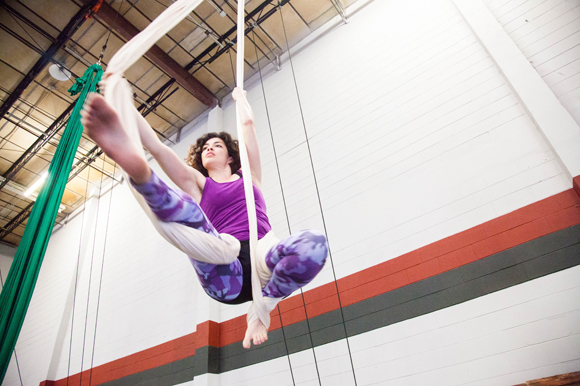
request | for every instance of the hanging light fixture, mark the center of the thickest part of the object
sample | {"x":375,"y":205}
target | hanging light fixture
{"x":59,"y":73}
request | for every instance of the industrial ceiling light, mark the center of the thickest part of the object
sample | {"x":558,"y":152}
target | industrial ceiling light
{"x":220,"y":11}
{"x":36,"y":184}
{"x":59,"y":72}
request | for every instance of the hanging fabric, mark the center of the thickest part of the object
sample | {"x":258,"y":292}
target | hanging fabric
{"x":118,"y":94}
{"x":261,"y":306}
{"x":23,"y":274}
{"x":195,"y":244}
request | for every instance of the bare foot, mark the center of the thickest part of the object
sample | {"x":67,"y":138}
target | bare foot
{"x":256,"y":332}
{"x":102,"y":124}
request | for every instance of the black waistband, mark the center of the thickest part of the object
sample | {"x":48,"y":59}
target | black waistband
{"x":245,"y":259}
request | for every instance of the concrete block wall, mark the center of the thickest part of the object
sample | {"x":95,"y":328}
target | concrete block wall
{"x":7,"y":253}
{"x":523,"y":332}
{"x":416,"y":136}
{"x":146,"y":286}
{"x":437,"y":190}
{"x":548,"y":34}
{"x":45,"y":311}
{"x":6,"y":257}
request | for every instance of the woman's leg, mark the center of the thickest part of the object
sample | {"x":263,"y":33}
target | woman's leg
{"x":173,"y":206}
{"x":102,"y":124}
{"x":221,"y":282}
{"x":294,"y":262}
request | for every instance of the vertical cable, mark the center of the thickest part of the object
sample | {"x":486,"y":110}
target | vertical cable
{"x":101,"y":276}
{"x":288,"y":223}
{"x":72,"y":323}
{"x":16,"y":356}
{"x":91,"y":277}
{"x":232,"y":62}
{"x":317,"y":190}
{"x":110,"y":31}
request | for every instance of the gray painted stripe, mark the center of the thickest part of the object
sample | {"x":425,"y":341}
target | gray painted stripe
{"x":543,"y":256}
{"x":170,"y":374}
{"x":207,"y":360}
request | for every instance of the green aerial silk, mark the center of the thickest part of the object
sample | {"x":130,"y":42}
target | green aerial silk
{"x":19,"y":286}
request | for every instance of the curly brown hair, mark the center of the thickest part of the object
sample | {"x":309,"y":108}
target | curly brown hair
{"x":194,"y":157}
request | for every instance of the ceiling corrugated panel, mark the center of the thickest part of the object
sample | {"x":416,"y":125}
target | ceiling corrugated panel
{"x":29,"y":27}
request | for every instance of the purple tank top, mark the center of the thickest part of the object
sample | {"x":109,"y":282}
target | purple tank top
{"x":225,"y":206}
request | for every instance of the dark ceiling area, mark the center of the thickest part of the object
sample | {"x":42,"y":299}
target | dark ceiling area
{"x":46,"y":44}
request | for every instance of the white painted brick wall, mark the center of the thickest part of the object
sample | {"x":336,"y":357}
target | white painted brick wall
{"x":415,"y":136}
{"x":36,"y":341}
{"x":6,"y":256}
{"x":413,"y":139}
{"x":548,"y":34}
{"x":518,"y":334}
{"x":521,"y":333}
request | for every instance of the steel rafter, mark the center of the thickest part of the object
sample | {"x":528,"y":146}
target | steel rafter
{"x":112,"y":18}
{"x":225,"y":37}
{"x":29,"y":23}
{"x":17,"y":220}
{"x":91,"y":156}
{"x":54,"y":128}
{"x":62,"y":38}
{"x":77,"y":168}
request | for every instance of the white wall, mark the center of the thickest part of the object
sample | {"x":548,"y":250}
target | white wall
{"x":149,"y":290}
{"x":7,"y":254}
{"x":415,"y":136}
{"x":525,"y":332}
{"x":148,"y":293}
{"x":548,"y":34}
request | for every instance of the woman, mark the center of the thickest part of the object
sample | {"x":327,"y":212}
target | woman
{"x":212,"y":178}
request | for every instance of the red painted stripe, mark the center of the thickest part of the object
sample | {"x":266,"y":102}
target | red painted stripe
{"x":515,"y":228}
{"x":525,"y":224}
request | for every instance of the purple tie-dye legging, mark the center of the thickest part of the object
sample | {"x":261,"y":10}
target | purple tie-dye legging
{"x":294,"y":261}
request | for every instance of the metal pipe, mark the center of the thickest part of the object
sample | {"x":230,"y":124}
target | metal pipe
{"x":62,"y":38}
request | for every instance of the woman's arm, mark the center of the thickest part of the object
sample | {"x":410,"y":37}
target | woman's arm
{"x":186,"y":178}
{"x":249,"y":130}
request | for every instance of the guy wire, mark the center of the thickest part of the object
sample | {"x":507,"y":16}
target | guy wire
{"x":317,"y":190}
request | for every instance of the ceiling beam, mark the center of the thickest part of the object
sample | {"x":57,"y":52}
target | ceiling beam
{"x":81,"y":165}
{"x":159,"y":57}
{"x":46,"y":58}
{"x":54,"y":128}
{"x":225,"y":37}
{"x":91,"y":156}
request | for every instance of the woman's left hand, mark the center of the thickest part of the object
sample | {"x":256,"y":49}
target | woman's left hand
{"x":246,"y":114}
{"x":239,"y":94}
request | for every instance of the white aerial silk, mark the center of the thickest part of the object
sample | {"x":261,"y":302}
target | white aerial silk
{"x":197,"y":245}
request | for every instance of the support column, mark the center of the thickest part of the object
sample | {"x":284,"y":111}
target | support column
{"x":62,"y":333}
{"x":215,"y":120}
{"x":207,"y":354}
{"x":555,"y":123}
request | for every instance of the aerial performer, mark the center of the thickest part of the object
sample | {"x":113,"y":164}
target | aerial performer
{"x":211,"y":202}
{"x":232,"y":248}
